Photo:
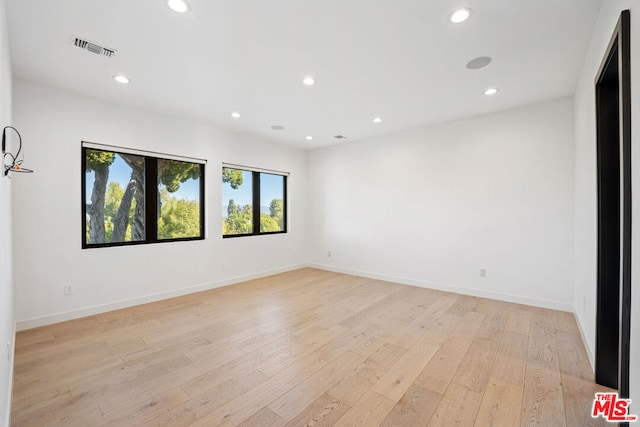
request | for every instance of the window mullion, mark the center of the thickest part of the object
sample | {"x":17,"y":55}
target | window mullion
{"x":256,"y":202}
{"x":202,"y":204}
{"x":84,"y":198}
{"x":284,"y":205}
{"x":151,"y":198}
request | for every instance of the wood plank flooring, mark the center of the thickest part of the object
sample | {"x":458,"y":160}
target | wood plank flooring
{"x":307,"y":348}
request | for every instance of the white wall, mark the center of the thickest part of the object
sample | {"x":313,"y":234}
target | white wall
{"x":7,"y":320}
{"x":512,"y":192}
{"x":47,"y":211}
{"x":433,"y":206}
{"x":585,"y":182}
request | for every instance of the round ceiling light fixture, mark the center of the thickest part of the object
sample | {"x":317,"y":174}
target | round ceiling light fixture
{"x":121,"y":78}
{"x":308,"y":81}
{"x":180,"y":6}
{"x":377,"y":120}
{"x":460,"y":15}
{"x":491,"y":91}
{"x":235,"y":115}
{"x":309,"y":138}
{"x":479,"y":62}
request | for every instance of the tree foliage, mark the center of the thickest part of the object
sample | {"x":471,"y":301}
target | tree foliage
{"x":276,"y":210}
{"x":172,"y":173}
{"x":98,"y":162}
{"x":179,"y":217}
{"x":233,"y":177}
{"x":99,"y":159}
{"x":112,"y":199}
{"x":114,"y":196}
{"x":268,"y":224}
{"x":239,"y":218}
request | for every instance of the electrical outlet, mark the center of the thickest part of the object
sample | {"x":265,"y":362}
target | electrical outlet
{"x":328,"y":254}
{"x":483,"y":272}
{"x":68,"y":289}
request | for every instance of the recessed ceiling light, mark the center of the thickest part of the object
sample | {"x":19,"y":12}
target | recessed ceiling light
{"x":235,"y":115}
{"x":377,"y":120}
{"x":121,"y":78}
{"x":309,"y":81}
{"x":309,"y":138}
{"x":179,"y":6}
{"x":460,"y":15}
{"x":491,"y":91}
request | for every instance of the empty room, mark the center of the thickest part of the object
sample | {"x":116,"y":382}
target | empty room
{"x":297,"y":213}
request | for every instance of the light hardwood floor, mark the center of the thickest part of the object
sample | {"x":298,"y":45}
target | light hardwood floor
{"x":304,"y":348}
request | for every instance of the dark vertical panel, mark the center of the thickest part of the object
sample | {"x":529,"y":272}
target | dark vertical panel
{"x":625,"y":138}
{"x":84,"y":197}
{"x":202,"y":204}
{"x":613,"y":117}
{"x":285,"y":197}
{"x":151,"y":198}
{"x":256,"y":202}
{"x":608,"y":227}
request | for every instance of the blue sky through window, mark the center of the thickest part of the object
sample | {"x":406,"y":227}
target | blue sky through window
{"x":271,"y":187}
{"x":242,"y":195}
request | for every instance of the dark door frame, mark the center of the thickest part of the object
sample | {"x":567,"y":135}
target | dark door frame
{"x":613,"y":119}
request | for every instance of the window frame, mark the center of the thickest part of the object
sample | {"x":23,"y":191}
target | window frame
{"x":255,"y":201}
{"x":150,"y":197}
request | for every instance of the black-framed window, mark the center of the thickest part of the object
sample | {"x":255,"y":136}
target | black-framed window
{"x":134,"y":197}
{"x":254,"y":202}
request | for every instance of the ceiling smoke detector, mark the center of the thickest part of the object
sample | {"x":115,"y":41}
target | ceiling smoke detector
{"x":94,"y":48}
{"x":340,"y":137}
{"x":479,"y":62}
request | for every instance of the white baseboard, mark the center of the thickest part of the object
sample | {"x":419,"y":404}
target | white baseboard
{"x":555,"y":305}
{"x":103,"y":308}
{"x":590,"y":355}
{"x":7,"y":412}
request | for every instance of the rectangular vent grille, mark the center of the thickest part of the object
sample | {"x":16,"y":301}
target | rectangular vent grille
{"x":95,"y":48}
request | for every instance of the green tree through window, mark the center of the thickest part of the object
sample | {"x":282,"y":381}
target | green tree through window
{"x":240,"y":212}
{"x":122,"y":207}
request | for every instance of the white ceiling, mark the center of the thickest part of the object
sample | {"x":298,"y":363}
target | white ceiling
{"x":401,"y":60}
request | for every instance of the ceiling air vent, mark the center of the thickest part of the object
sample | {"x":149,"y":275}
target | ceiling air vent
{"x":95,"y":48}
{"x":340,"y":137}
